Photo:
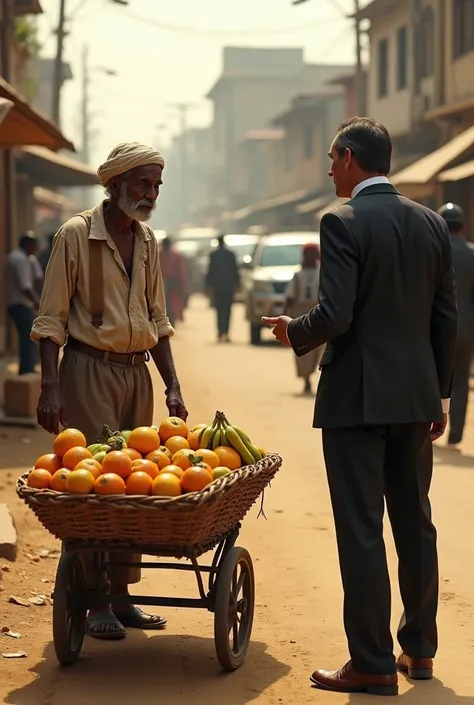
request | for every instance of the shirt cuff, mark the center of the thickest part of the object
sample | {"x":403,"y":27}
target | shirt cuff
{"x":49,"y":327}
{"x":445,"y":403}
{"x":165,"y":329}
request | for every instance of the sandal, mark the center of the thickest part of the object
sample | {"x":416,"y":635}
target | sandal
{"x":106,"y":627}
{"x":137,"y":619}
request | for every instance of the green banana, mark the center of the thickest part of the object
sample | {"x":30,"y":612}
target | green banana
{"x":242,"y":434}
{"x":99,"y":456}
{"x":255,"y":451}
{"x":216,"y":439}
{"x":117,"y":442}
{"x":237,"y":444}
{"x":206,"y":436}
{"x":94,"y":448}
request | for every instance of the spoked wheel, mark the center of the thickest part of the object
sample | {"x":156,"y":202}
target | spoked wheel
{"x":234,"y":608}
{"x":69,"y":610}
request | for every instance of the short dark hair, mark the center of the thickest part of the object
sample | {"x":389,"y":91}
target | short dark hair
{"x":369,"y":142}
{"x":28,"y":240}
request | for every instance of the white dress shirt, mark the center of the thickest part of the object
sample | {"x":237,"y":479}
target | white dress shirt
{"x":372,"y":181}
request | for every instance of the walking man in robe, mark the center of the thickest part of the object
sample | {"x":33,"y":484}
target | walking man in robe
{"x":103,"y":300}
{"x":222,"y":282}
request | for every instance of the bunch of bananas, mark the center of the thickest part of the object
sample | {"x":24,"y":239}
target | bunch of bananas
{"x":223,"y":433}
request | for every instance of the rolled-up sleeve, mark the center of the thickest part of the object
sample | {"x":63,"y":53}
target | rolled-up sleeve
{"x":157,"y":293}
{"x":59,"y":286}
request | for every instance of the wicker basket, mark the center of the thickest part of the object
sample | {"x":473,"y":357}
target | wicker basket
{"x":185,"y":525}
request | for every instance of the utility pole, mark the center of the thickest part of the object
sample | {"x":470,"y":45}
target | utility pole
{"x":183,"y":109}
{"x":58,"y":64}
{"x":359,"y":77}
{"x":5,"y":37}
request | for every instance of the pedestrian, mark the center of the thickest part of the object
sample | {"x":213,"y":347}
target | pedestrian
{"x":387,"y":312}
{"x":175,"y":277}
{"x":463,"y":262}
{"x":22,"y":299}
{"x":301,"y":297}
{"x":222,"y":282}
{"x":45,"y":254}
{"x":103,"y":299}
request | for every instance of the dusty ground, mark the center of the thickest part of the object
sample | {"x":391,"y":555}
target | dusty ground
{"x":298,"y":615}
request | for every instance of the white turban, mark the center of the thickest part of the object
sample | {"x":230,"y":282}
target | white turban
{"x":126,"y":156}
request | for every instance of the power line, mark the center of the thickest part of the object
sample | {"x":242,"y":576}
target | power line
{"x":181,"y":29}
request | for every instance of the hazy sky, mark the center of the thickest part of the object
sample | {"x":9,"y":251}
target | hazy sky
{"x":168,"y":52}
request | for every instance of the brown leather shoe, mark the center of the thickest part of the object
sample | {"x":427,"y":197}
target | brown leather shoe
{"x":416,"y":668}
{"x":347,"y":680}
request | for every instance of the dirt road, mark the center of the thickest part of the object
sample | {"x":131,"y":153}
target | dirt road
{"x":298,"y":615}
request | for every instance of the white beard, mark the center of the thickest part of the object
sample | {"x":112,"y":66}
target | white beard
{"x":136,"y":210}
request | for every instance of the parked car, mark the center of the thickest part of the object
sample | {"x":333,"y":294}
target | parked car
{"x":243,"y":246}
{"x":276,"y":259}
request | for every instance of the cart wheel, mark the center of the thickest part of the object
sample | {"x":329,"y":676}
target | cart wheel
{"x":233,"y":609}
{"x":69,"y":610}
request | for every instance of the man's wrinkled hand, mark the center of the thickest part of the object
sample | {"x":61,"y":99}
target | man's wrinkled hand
{"x":175,"y":404}
{"x":50,"y":412}
{"x":438,"y":428}
{"x":279,"y":326}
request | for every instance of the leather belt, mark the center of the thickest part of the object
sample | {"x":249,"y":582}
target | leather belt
{"x":128,"y":359}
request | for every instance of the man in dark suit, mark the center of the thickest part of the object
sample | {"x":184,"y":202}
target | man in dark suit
{"x":463,"y":263}
{"x":388,"y":314}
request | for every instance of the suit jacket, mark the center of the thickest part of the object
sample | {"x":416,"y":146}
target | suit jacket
{"x":387,"y":312}
{"x":463,"y":263}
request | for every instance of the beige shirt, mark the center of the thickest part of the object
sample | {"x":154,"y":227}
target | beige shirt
{"x":65,"y":306}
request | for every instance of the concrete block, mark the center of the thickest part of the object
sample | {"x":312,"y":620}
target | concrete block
{"x":8,"y":534}
{"x":21,"y":394}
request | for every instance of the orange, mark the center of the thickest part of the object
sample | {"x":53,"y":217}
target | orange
{"x":144,"y":439}
{"x":69,"y":438}
{"x":147,"y":466}
{"x":49,"y":462}
{"x":194,"y":438}
{"x":174,"y":470}
{"x":117,"y":462}
{"x":176,"y":443}
{"x":199,"y":427}
{"x":132,"y":453}
{"x":80,"y":482}
{"x":159,"y":458}
{"x":228,"y":457}
{"x":165,"y":450}
{"x":110,"y":483}
{"x":73,"y":456}
{"x":172,"y":426}
{"x":184,"y":458}
{"x":59,"y":480}
{"x":39,"y":479}
{"x":166,"y":485}
{"x":94,"y":467}
{"x":208,"y":457}
{"x":139,"y":483}
{"x":196,"y":479}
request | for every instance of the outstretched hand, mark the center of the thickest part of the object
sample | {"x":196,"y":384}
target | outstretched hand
{"x":279,"y":326}
{"x":175,"y":404}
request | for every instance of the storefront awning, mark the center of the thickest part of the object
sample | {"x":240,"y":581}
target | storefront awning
{"x":5,"y":106}
{"x":51,"y":169}
{"x":314,"y":205}
{"x":45,"y":197}
{"x":23,"y":125}
{"x":458,"y":173}
{"x":270,"y":203}
{"x":426,"y":168}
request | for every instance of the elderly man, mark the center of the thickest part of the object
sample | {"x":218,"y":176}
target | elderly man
{"x":103,"y":299}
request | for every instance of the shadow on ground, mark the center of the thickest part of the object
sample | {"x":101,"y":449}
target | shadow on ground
{"x":455,"y":458}
{"x":159,"y":669}
{"x":432,"y":692}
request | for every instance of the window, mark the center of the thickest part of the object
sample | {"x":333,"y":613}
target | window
{"x":463,"y":27}
{"x":402,"y":58}
{"x":308,"y":142}
{"x":383,"y":68}
{"x":281,"y":255}
{"x":427,"y":38}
